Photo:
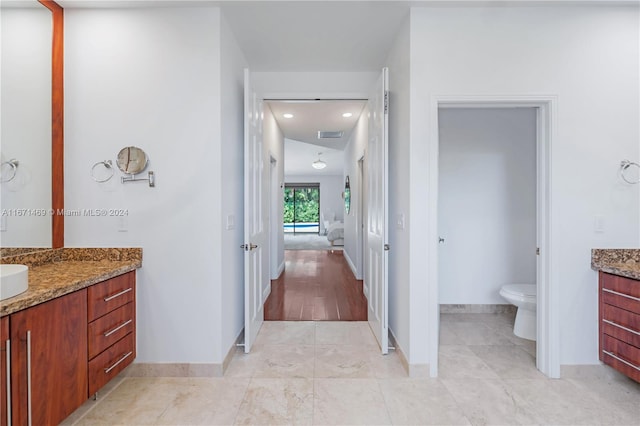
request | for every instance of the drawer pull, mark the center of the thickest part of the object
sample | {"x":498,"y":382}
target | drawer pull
{"x":621,"y":360}
{"x":107,"y":370}
{"x":622,"y":327}
{"x":107,"y":299}
{"x":637,"y":299}
{"x":124,"y":324}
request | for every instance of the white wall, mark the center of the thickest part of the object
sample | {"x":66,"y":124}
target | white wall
{"x":588,"y":58}
{"x":331,"y":188}
{"x":231,"y":177}
{"x":406,"y":306}
{"x":274,"y":145}
{"x":25,"y":124}
{"x":486,"y":201}
{"x":327,"y":85}
{"x":152,"y":78}
{"x":353,"y":152}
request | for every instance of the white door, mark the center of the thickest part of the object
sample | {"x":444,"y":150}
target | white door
{"x":256,"y":203}
{"x":376,"y":278}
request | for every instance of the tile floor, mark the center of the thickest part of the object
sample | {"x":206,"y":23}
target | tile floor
{"x":330,"y":373}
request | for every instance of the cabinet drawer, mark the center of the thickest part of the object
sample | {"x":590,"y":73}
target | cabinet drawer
{"x":621,"y":292}
{"x":110,"y":328}
{"x":621,"y":356}
{"x":112,"y":361}
{"x":621,"y":324}
{"x":110,"y":295}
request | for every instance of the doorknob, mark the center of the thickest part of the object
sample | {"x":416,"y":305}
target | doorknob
{"x":441,"y":240}
{"x":248,"y":247}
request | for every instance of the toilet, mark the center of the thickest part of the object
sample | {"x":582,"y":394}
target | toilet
{"x":524,"y":297}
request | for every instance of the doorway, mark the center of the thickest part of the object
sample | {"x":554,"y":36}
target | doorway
{"x":487,"y":216}
{"x":547,"y":348}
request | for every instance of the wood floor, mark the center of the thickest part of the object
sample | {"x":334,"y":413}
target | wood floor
{"x":316,"y":285}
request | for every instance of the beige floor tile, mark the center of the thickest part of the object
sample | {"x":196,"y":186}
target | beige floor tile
{"x":387,"y":366}
{"x":486,"y":401}
{"x":509,"y":362}
{"x":342,"y":361}
{"x":277,"y":402}
{"x":478,"y":333}
{"x":421,"y":402}
{"x":279,"y":361}
{"x":137,"y":401}
{"x":621,"y":394}
{"x":286,"y":332}
{"x":561,"y":402}
{"x":206,"y":401}
{"x":349,"y":402}
{"x":244,"y":365}
{"x":344,"y":333}
{"x":459,"y":362}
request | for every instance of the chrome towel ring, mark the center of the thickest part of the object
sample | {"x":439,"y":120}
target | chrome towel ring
{"x":108,"y":165}
{"x":13,"y":163}
{"x":624,"y":167}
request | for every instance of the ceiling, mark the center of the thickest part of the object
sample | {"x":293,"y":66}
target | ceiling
{"x":302,"y":145}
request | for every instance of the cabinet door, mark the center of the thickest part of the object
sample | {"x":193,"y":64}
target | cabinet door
{"x":4,"y":336}
{"x":54,"y":334}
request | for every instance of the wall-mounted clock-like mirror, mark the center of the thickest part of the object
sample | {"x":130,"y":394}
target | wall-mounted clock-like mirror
{"x":347,"y":195}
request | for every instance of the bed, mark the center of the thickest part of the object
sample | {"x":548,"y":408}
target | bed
{"x":335,"y":234}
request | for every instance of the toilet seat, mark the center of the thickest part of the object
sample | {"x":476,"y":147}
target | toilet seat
{"x":520,"y":290}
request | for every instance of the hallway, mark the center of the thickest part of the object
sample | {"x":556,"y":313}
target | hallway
{"x":316,"y":285}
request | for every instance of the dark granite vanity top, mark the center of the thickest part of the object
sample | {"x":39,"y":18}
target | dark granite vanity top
{"x":622,"y":262}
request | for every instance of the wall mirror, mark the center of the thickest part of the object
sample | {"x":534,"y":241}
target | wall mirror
{"x":32,"y":131}
{"x":347,"y":195}
{"x":132,"y":160}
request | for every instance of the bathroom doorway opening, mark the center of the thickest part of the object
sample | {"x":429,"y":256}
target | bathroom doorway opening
{"x":499,"y":226}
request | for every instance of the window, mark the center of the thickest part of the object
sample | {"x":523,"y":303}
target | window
{"x":302,"y":208}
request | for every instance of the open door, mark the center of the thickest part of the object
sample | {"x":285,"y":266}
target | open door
{"x":256,"y":204}
{"x":377,"y":244}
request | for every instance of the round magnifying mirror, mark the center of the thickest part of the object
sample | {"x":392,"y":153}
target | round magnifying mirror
{"x":132,"y":160}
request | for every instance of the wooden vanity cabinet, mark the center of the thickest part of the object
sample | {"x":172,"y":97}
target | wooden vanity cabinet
{"x":4,"y":339}
{"x":619,"y":324}
{"x":112,"y":328}
{"x":49,"y":360}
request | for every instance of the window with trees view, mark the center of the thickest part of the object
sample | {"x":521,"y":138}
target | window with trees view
{"x":302,"y":208}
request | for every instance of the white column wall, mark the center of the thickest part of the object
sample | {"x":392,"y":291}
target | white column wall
{"x":130,"y":80}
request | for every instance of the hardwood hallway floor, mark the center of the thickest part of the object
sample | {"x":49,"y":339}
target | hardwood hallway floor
{"x":316,"y":285}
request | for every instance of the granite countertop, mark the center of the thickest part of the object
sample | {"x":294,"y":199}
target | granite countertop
{"x":63,"y":271}
{"x":622,"y":262}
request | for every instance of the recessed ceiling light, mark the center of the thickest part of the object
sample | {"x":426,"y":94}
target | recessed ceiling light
{"x":287,"y":115}
{"x":347,"y":115}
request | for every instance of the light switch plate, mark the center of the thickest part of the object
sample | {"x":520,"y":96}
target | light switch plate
{"x":3,"y":223}
{"x":598,"y":223}
{"x":400,"y":221}
{"x":123,"y":224}
{"x":231,"y":222}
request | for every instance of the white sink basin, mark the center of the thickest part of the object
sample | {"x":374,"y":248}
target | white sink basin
{"x":14,"y":279}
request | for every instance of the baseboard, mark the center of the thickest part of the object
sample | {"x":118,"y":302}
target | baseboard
{"x":416,"y":371}
{"x":279,"y":272}
{"x":142,"y":369}
{"x":477,"y":309}
{"x":232,"y":350}
{"x":350,"y":263}
{"x":266,"y":292}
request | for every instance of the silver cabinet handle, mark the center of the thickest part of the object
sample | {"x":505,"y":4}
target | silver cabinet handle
{"x":106,"y":299}
{"x":621,"y":360}
{"x":8,"y":356}
{"x":124,"y":324}
{"x":637,"y":299}
{"x":29,"y":376}
{"x":106,"y":370}
{"x":622,"y":327}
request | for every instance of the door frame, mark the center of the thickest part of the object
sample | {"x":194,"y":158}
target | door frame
{"x":548,"y":306}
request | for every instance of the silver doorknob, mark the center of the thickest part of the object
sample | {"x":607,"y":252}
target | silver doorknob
{"x":441,"y":240}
